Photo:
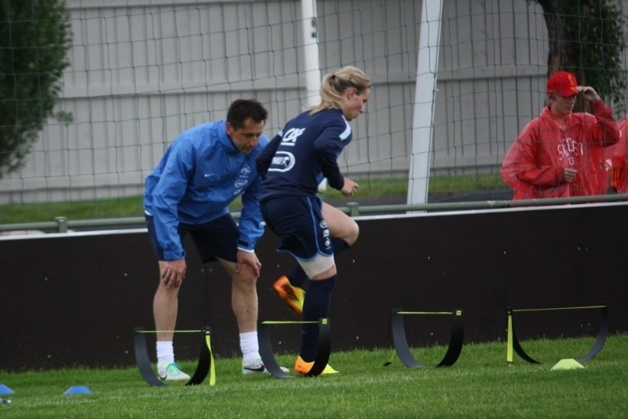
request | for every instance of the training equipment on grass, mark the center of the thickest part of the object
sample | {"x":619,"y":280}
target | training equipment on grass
{"x":513,"y":345}
{"x":4,"y":390}
{"x":400,"y":341}
{"x":204,"y":367}
{"x":268,"y":357}
{"x":567,"y":364}
{"x":77,"y":390}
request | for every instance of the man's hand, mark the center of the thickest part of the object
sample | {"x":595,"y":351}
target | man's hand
{"x":589,"y":93}
{"x":172,"y":272}
{"x":569,"y":174}
{"x":250,"y":259}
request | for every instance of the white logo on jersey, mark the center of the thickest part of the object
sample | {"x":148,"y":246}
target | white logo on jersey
{"x":282,"y":162}
{"x":569,"y":150}
{"x":291,"y":136}
{"x":242,"y":179}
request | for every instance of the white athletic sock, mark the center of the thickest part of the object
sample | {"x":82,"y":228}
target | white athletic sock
{"x":249,"y":346}
{"x":165,"y":352}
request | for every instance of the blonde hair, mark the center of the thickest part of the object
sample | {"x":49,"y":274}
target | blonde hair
{"x":334,"y":85}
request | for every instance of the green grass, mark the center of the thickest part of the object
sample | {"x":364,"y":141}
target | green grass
{"x":132,"y":206}
{"x":77,"y":210}
{"x":479,"y":385}
{"x":467,"y":183}
{"x":384,"y":188}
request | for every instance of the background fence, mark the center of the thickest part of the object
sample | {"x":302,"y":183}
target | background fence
{"x":143,"y":70}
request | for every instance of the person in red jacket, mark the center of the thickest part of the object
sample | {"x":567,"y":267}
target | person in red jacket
{"x":561,"y":153}
{"x":617,"y":159}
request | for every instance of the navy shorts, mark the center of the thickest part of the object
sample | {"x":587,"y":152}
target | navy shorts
{"x":299,"y":223}
{"x":215,"y":239}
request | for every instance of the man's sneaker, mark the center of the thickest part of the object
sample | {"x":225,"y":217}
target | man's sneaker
{"x":302,"y":367}
{"x":257,"y":367}
{"x":293,"y":296}
{"x":172,"y":372}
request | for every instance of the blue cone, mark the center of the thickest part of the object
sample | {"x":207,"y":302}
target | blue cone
{"x":4,"y":390}
{"x":77,"y":390}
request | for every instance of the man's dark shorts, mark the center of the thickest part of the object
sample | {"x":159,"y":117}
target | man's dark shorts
{"x":215,"y":239}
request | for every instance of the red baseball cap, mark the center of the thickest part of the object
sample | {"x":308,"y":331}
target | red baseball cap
{"x":563,"y":83}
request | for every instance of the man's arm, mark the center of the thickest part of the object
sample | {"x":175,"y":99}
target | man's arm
{"x":166,"y":197}
{"x":250,"y":227}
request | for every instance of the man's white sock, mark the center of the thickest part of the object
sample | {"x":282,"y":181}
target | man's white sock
{"x":165,"y":352}
{"x":249,"y":346}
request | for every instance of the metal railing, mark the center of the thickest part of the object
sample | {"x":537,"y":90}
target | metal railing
{"x":63,"y":224}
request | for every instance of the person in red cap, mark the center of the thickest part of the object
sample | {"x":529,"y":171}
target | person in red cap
{"x":561,"y":153}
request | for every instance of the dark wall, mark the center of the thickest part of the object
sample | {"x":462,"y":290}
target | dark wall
{"x":75,"y":299}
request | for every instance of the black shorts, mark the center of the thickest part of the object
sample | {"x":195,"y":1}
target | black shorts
{"x":215,"y":239}
{"x":299,"y":223}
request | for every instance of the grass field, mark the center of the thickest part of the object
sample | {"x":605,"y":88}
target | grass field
{"x":132,"y":206}
{"x":479,"y":385}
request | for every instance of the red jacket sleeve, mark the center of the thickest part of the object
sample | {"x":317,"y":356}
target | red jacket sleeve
{"x":529,"y":162}
{"x":606,"y":131}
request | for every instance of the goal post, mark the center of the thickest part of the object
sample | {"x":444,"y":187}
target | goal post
{"x":424,"y":98}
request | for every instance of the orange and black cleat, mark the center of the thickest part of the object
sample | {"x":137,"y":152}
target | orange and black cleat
{"x":293,"y":296}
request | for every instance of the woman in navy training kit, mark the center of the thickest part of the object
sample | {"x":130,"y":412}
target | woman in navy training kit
{"x":292,"y":165}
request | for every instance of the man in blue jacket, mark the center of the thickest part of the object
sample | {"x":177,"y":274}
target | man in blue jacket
{"x":202,"y":172}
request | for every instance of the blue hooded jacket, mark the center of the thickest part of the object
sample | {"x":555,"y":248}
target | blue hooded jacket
{"x":201,"y":173}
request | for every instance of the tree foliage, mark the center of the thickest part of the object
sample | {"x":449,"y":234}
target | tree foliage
{"x":35,"y":37}
{"x":587,"y":38}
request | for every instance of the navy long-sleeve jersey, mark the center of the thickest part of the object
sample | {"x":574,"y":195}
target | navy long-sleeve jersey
{"x":302,"y":153}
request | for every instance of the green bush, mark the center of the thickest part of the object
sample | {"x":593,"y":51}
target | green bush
{"x":34,"y":41}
